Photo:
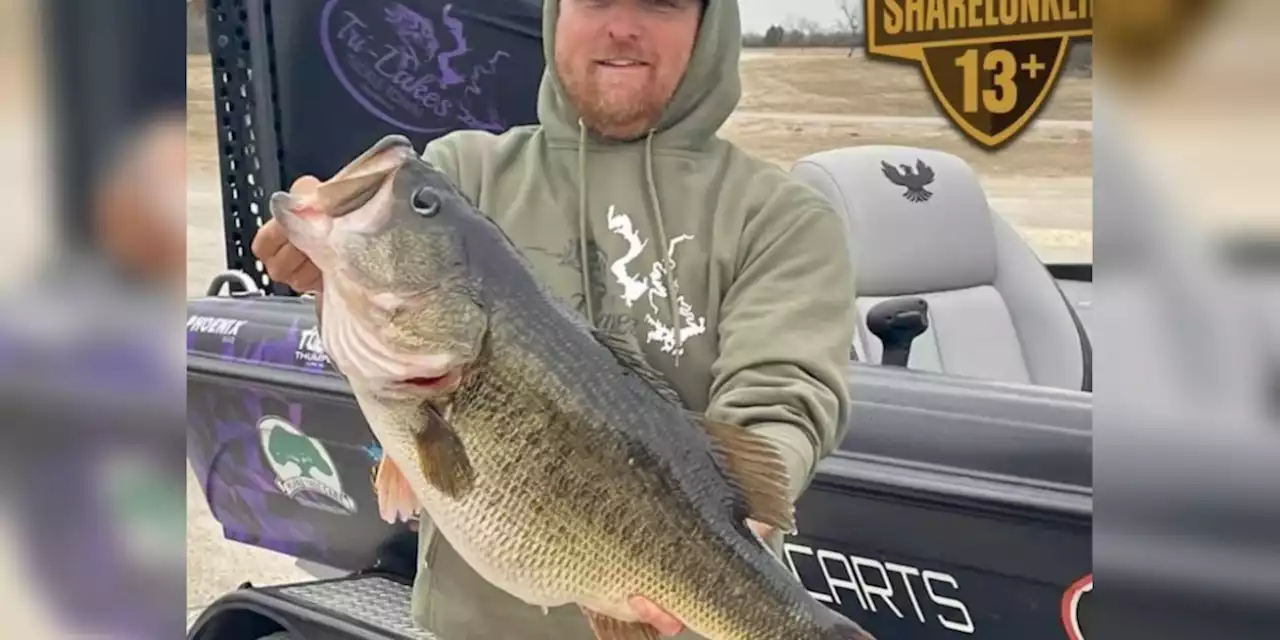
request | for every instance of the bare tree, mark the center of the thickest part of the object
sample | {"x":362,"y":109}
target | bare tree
{"x":853,"y":22}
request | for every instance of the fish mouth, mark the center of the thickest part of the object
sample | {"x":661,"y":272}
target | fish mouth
{"x":353,"y":187}
{"x":432,"y":383}
{"x":304,"y":222}
{"x":337,"y":199}
{"x":388,"y":152}
{"x":358,"y":182}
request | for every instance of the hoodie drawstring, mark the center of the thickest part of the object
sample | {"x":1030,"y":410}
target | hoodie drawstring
{"x":663,"y":248}
{"x":583,"y":258}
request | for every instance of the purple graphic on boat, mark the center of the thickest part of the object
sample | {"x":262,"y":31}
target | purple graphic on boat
{"x":276,"y":475}
{"x":286,"y":339}
{"x":240,"y":488}
{"x":283,"y":467}
{"x":411,"y":70}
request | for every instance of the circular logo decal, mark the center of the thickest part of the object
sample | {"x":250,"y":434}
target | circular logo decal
{"x":304,"y":471}
{"x":411,"y":69}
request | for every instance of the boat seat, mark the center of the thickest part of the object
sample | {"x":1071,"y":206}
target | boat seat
{"x":919,"y":225}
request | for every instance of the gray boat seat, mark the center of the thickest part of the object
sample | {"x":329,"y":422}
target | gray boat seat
{"x":919,"y":225}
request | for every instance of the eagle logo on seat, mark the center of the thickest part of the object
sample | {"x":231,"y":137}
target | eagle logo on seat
{"x":914,"y":179}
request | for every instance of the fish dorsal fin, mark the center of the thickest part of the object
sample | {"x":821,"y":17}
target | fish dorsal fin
{"x":753,"y":465}
{"x":624,"y":347}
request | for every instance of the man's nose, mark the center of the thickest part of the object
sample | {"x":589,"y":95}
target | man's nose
{"x":624,"y":22}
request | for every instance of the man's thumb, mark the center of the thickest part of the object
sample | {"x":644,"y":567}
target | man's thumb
{"x":305,"y":185}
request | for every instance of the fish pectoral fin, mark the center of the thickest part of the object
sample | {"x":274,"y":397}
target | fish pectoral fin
{"x":396,"y":500}
{"x":609,"y":628}
{"x":442,"y":456}
{"x":754,"y":466}
{"x":627,"y":351}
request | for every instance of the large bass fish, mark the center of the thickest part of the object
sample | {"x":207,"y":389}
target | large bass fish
{"x":557,"y":463}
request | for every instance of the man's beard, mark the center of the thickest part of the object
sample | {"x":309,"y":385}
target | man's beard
{"x":614,"y":114}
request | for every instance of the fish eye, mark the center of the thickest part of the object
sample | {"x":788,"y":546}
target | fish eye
{"x":426,"y":202}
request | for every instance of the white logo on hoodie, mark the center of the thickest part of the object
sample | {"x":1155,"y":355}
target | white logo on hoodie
{"x":658,"y":284}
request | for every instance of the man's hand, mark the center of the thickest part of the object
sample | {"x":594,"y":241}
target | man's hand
{"x":664,"y":622}
{"x":283,"y":261}
{"x":761,"y":529}
{"x":650,"y":613}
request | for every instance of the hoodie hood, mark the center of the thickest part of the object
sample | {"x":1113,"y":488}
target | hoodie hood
{"x":706,"y":96}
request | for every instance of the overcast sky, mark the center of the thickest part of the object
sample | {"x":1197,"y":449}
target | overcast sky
{"x":757,"y":15}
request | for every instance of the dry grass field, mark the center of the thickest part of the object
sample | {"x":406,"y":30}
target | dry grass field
{"x":826,"y":82}
{"x":794,"y":103}
{"x":829,"y":81}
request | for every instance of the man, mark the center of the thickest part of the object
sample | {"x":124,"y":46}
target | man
{"x":735,"y":279}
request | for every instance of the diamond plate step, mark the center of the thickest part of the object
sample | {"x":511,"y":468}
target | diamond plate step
{"x":371,"y":600}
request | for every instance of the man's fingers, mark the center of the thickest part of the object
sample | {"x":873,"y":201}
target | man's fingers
{"x":295,"y":269}
{"x":654,"y":616}
{"x":286,"y":264}
{"x":761,"y":529}
{"x":307,"y":279}
{"x":304,"y":186}
{"x":283,"y":261}
{"x":269,"y":240}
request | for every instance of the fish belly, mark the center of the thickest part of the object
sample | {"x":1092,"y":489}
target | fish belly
{"x":502,"y":545}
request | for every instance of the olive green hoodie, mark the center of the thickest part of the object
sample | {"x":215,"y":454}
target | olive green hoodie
{"x":737,"y":279}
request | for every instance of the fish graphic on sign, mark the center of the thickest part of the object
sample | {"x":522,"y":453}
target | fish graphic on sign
{"x":304,"y":470}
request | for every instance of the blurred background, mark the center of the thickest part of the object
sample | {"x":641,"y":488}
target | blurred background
{"x":1187,"y":360}
{"x":92,"y":257}
{"x":109,"y":171}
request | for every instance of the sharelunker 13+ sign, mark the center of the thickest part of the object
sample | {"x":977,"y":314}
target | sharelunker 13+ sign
{"x":991,"y":64}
